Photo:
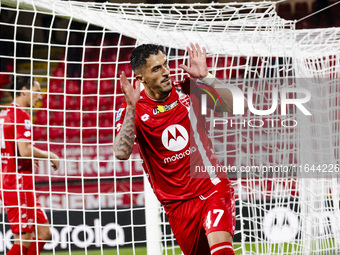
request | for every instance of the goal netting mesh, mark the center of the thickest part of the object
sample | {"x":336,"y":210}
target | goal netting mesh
{"x":284,"y":164}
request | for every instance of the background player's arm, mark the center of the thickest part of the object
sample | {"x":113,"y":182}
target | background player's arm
{"x":125,"y":139}
{"x":198,"y":69}
{"x":26,"y":148}
{"x":225,"y":95}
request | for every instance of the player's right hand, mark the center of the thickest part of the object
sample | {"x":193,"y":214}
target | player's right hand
{"x":54,"y":160}
{"x":131,"y":94}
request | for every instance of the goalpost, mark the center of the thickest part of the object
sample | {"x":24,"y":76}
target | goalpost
{"x":286,"y":202}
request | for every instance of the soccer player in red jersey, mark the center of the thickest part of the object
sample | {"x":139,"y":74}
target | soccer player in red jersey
{"x":28,"y":221}
{"x":166,"y":122}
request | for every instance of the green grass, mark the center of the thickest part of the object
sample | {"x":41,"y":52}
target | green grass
{"x":122,"y":251}
{"x":285,"y":248}
{"x":129,"y":251}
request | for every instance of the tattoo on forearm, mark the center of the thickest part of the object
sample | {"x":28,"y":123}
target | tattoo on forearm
{"x":124,"y":141}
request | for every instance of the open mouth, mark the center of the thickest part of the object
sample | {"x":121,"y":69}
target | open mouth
{"x":166,"y":80}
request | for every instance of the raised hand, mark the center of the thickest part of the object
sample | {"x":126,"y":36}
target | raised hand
{"x":131,"y":94}
{"x":198,"y":62}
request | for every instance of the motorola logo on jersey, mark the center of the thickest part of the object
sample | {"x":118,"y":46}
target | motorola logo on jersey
{"x":175,"y":137}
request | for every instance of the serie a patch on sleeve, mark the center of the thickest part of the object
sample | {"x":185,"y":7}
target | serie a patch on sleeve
{"x":119,"y":114}
{"x":28,"y":124}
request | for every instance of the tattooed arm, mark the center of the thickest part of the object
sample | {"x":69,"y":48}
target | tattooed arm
{"x":123,"y":143}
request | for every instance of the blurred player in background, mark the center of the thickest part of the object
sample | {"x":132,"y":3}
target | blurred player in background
{"x":28,"y":221}
{"x":166,"y":121}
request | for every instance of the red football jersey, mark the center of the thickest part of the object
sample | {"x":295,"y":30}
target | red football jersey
{"x":16,"y":127}
{"x":172,"y":138}
{"x":3,"y":158}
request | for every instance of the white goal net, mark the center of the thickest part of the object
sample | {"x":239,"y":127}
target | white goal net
{"x":282,"y":155}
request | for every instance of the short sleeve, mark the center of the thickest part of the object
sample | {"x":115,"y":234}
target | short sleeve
{"x":23,"y":126}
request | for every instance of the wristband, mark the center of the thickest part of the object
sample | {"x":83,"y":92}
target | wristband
{"x":208,"y":80}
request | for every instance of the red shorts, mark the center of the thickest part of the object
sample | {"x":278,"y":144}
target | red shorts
{"x":192,"y":220}
{"x":23,"y":209}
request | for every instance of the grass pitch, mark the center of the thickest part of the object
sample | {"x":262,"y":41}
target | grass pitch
{"x":260,"y":248}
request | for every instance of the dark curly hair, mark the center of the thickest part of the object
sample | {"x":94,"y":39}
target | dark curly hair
{"x":141,"y":53}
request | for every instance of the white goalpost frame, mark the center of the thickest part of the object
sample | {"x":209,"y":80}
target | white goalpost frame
{"x":252,"y":31}
{"x":152,"y":220}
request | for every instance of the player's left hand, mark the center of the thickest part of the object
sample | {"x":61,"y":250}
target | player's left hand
{"x":198,"y":62}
